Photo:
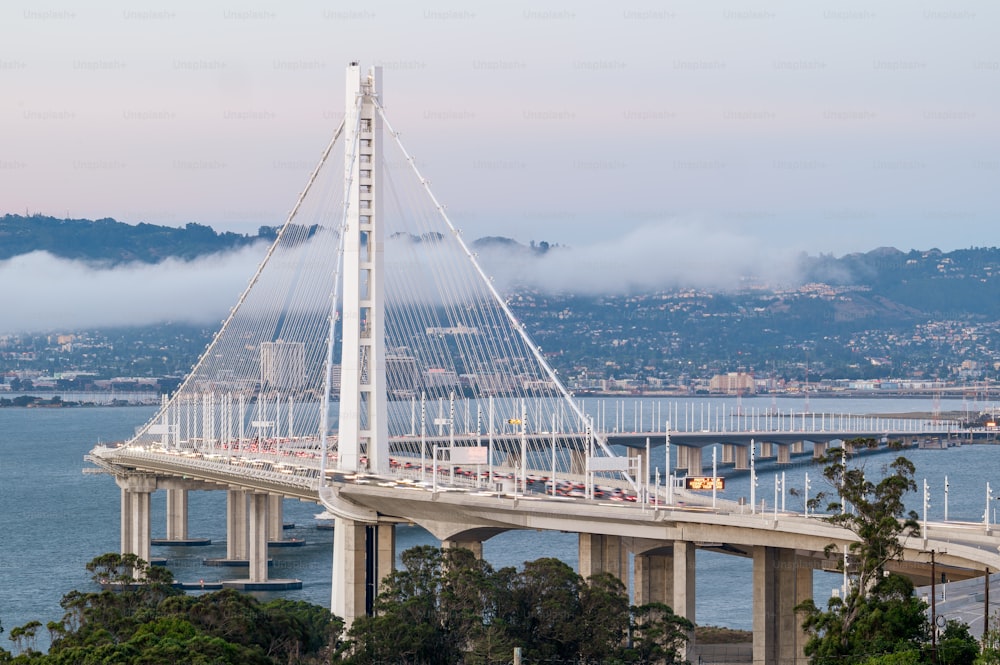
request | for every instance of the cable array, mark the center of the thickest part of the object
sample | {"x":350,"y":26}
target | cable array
{"x":465,"y":383}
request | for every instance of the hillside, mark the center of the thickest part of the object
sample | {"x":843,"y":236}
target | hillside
{"x":881,"y":313}
{"x":109,"y":242}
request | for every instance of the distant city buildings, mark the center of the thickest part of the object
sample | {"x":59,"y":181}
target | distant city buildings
{"x":282,"y":365}
{"x":733,"y":383}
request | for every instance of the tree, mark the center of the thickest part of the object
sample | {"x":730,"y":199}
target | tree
{"x":878,"y":613}
{"x":990,"y":654}
{"x":604,"y":617}
{"x":447,"y":606}
{"x":658,"y":635}
{"x":23,"y":637}
{"x":956,"y":645}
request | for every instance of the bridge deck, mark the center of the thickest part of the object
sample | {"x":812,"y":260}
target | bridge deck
{"x":965,"y":549}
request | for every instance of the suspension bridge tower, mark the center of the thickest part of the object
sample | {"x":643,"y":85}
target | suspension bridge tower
{"x":363,"y":428}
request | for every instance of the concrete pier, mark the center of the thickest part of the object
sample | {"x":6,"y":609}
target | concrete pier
{"x":781,"y":580}
{"x":258,"y":537}
{"x":475,"y":546}
{"x":361,"y":559}
{"x":693,"y":457}
{"x":654,"y":577}
{"x":275,"y":517}
{"x":742,"y":458}
{"x":600,"y":553}
{"x":237,"y":535}
{"x":136,"y":533}
{"x":177,"y":514}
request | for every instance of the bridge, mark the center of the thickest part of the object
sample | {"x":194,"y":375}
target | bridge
{"x":372,"y":367}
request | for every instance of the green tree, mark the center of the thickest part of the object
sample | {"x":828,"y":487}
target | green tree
{"x":24,"y":636}
{"x":658,"y":635}
{"x":446,"y":606}
{"x":546,"y":610}
{"x":990,"y":653}
{"x":956,"y":645}
{"x":604,"y":617}
{"x":878,"y":613}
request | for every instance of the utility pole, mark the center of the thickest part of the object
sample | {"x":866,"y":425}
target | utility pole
{"x":934,"y":626}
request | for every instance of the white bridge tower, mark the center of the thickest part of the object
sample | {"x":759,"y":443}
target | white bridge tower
{"x":363,"y":428}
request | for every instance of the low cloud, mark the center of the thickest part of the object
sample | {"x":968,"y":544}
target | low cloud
{"x":652,"y":257}
{"x":45,"y":293}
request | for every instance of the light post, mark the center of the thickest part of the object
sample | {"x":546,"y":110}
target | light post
{"x":927,"y":503}
{"x":753,"y":478}
{"x":843,"y":478}
{"x":986,"y":513}
{"x":806,"y":504}
{"x":715,"y":473}
{"x":670,"y":484}
{"x":777,"y":482}
{"x":946,"y":498}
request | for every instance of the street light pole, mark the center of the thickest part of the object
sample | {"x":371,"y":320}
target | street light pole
{"x":986,"y":513}
{"x":946,"y":498}
{"x":933,"y":612}
{"x":806,"y":504}
{"x":670,"y":484}
{"x":776,"y":481}
{"x":715,"y":473}
{"x":927,"y":502}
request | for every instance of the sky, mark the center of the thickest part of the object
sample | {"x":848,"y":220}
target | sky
{"x":695,"y":128}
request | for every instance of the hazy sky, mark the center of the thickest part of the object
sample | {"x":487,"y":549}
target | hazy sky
{"x":821,"y":126}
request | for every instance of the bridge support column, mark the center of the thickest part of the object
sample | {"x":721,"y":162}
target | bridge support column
{"x":126,"y":520}
{"x":177,"y":514}
{"x":728,"y":453}
{"x":386,"y":552}
{"x":742,"y":459}
{"x":694,"y":461}
{"x":135,"y":514}
{"x":784,"y":453}
{"x":275,"y":518}
{"x":475,"y":546}
{"x":654,"y":578}
{"x":819,"y":449}
{"x":797,"y":447}
{"x":682,"y":457}
{"x":603,"y":554}
{"x":258,"y":537}
{"x":363,"y":555}
{"x":237,"y":543}
{"x":684,"y":579}
{"x":766,"y":450}
{"x":781,"y":580}
{"x":350,"y":594}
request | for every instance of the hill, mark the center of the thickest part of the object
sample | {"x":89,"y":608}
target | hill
{"x":883,"y":313}
{"x":110,"y":242}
